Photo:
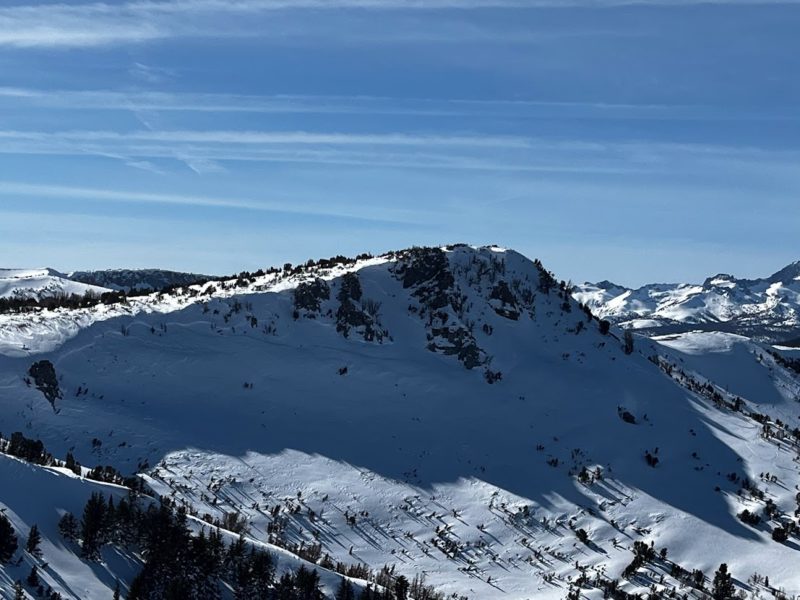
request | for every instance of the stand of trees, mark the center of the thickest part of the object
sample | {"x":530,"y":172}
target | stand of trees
{"x":177,"y":563}
{"x":180,"y":565}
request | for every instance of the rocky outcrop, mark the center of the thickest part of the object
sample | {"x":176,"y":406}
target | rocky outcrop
{"x":357,"y":315}
{"x":441,"y":304}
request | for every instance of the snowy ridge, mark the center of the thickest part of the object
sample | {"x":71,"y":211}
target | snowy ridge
{"x":450,"y":411}
{"x":767,"y":308}
{"x":41,"y":283}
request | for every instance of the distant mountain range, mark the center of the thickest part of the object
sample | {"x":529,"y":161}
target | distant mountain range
{"x":767,"y":309}
{"x":126,"y":280}
{"x":48,"y":283}
{"x":41,"y":283}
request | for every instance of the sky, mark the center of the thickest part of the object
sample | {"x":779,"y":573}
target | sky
{"x":630,"y":140}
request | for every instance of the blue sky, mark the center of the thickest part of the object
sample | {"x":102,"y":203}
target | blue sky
{"x":630,"y":140}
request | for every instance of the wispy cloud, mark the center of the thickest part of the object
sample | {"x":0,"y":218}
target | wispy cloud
{"x":207,"y":151}
{"x":202,"y":150}
{"x":98,"y":24}
{"x":289,"y":207}
{"x":150,"y":73}
{"x":201,"y":166}
{"x":146,"y":104}
{"x":275,"y":138}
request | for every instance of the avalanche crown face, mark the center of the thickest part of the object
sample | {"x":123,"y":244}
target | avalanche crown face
{"x":449,"y":411}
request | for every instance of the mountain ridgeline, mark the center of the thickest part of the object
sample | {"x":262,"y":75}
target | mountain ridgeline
{"x":449,"y":418}
{"x":767,"y":309}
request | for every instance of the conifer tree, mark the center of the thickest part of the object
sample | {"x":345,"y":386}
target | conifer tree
{"x":72,"y":464}
{"x":93,"y":525}
{"x":68,"y":527}
{"x":723,"y":584}
{"x":627,"y":338}
{"x":34,"y":539}
{"x":345,"y":590}
{"x":401,"y":587}
{"x":33,"y":577}
{"x":8,"y":539}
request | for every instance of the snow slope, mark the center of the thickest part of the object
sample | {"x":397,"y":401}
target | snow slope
{"x":41,"y":283}
{"x":36,"y":495}
{"x":767,"y":308}
{"x":369,"y":420}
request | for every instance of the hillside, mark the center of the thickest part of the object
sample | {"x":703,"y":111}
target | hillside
{"x":41,"y":283}
{"x":766,"y":308}
{"x":451,"y":412}
{"x":127,"y":280}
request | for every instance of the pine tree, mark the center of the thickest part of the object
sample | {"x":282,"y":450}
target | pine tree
{"x":307,"y":584}
{"x":401,"y":586}
{"x":72,"y":464}
{"x":34,"y":539}
{"x":627,"y":339}
{"x":93,"y":525}
{"x":33,"y":577}
{"x":723,"y":584}
{"x":8,"y":539}
{"x":345,"y":590}
{"x":68,"y":527}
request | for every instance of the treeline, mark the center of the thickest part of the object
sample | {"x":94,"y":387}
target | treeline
{"x":91,"y":298}
{"x":71,"y":301}
{"x":180,"y":565}
{"x":786,"y":362}
{"x":34,"y":451}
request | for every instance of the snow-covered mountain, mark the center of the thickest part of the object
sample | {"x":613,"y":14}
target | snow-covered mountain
{"x":127,"y":280}
{"x":767,"y":308}
{"x":450,"y":412}
{"x":41,"y":283}
{"x":48,"y":284}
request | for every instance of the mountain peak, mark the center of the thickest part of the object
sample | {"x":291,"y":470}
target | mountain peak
{"x":787,"y":274}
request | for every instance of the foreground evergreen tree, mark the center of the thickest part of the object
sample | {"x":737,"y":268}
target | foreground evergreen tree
{"x":401,"y":587}
{"x":33,"y":577}
{"x":8,"y":539}
{"x":34,"y":540}
{"x":68,"y":527}
{"x":92,"y":526}
{"x":723,"y":584}
{"x":345,"y":591}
